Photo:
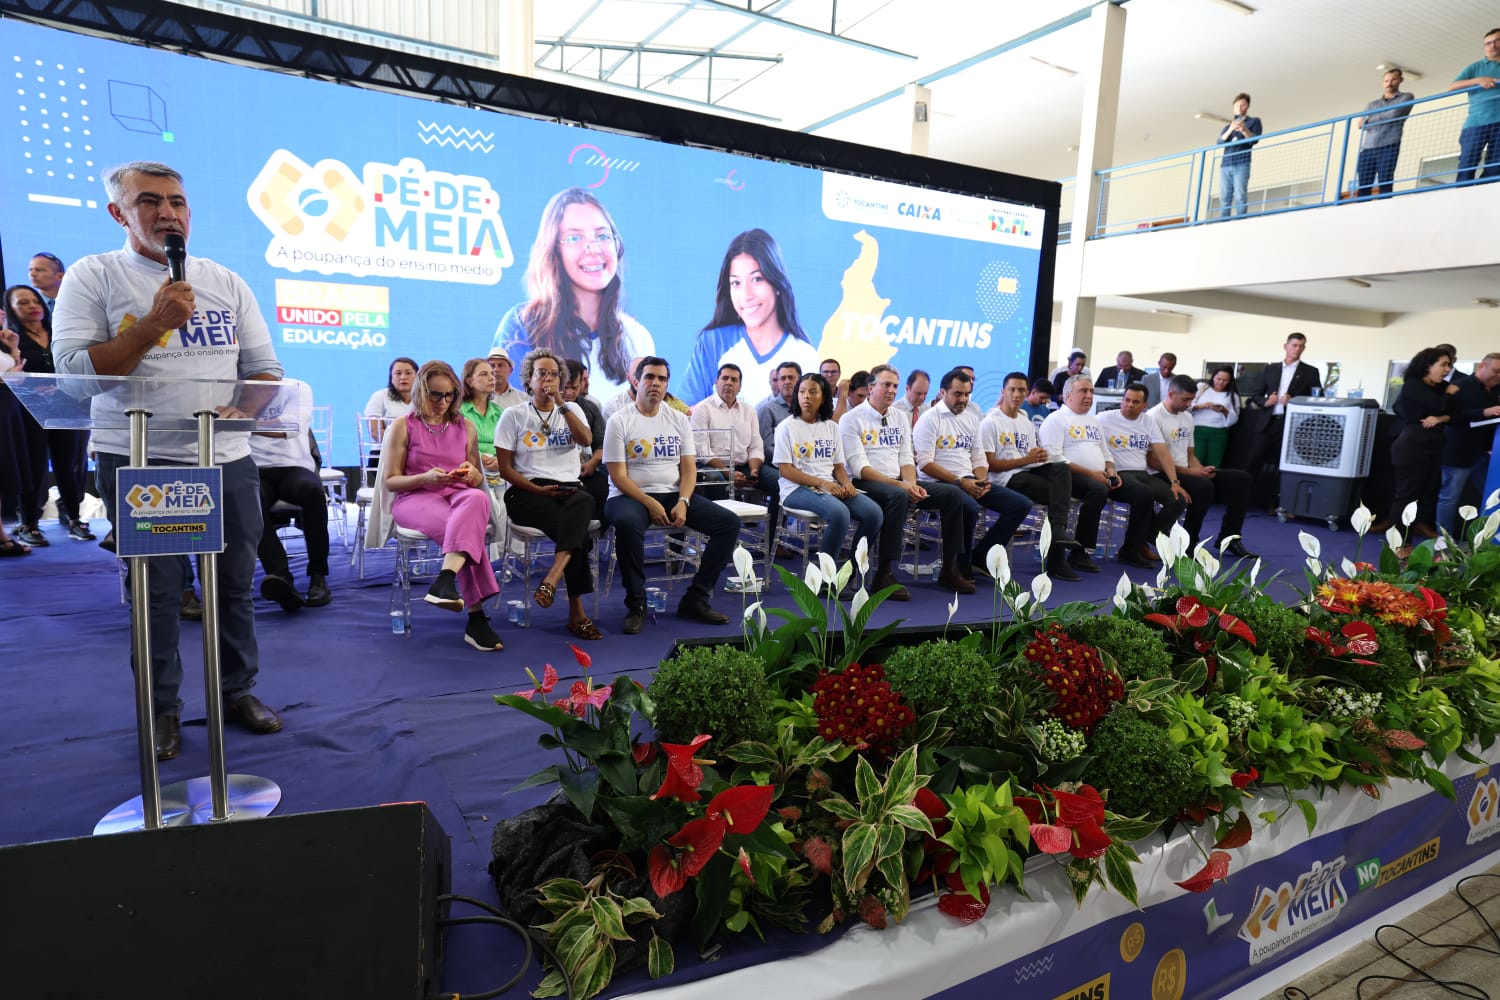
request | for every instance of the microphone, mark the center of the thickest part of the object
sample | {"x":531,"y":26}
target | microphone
{"x":176,"y":248}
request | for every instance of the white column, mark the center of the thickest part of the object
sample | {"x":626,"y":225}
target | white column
{"x":517,"y":35}
{"x":1096,"y":146}
{"x":919,"y":100}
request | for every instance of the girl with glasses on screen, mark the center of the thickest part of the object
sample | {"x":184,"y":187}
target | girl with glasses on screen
{"x":434,"y":471}
{"x":755,"y":323}
{"x":575,"y":283}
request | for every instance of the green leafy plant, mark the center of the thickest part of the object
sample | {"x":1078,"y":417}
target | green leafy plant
{"x":712,"y":689}
{"x":1144,"y":773}
{"x":1279,"y":630}
{"x":950,"y":676}
{"x":1136,"y":648}
{"x":588,"y":919}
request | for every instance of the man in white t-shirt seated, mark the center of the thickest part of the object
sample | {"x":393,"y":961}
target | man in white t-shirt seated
{"x":1072,"y":434}
{"x":1137,"y":447}
{"x":648,"y":449}
{"x":1018,"y":462}
{"x":946,"y":443}
{"x":878,"y":456}
{"x":1206,"y":484}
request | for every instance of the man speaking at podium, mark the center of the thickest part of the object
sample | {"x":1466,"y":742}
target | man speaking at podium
{"x":120,"y":313}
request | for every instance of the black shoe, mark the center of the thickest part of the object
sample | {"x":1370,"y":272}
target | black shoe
{"x":107,"y":543}
{"x":1080,"y":561}
{"x":1237,"y":549}
{"x":30,"y":534}
{"x":1066,"y":542}
{"x":884,"y":580}
{"x":444,"y":592}
{"x":1134,"y":557}
{"x":481,"y":636}
{"x":78,"y":530}
{"x":280,"y":589}
{"x":252,"y":713}
{"x":701,"y":611}
{"x":192,"y":608}
{"x":1059,"y":569}
{"x":168,"y":736}
{"x":318,"y":593}
{"x":634,"y":620}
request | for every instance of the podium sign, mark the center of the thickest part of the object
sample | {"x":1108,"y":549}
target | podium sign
{"x":169,"y":510}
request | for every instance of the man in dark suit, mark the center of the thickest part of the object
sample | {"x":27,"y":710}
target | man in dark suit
{"x":1279,"y":384}
{"x":1466,"y":453}
{"x":1124,"y":364}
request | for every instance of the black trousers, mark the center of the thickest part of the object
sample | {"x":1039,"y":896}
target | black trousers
{"x":1142,"y":491}
{"x":1229,"y":487}
{"x":563,"y":519}
{"x":895,"y":503}
{"x":1417,"y":469}
{"x":1264,"y":463}
{"x":1091,"y":495}
{"x":64,"y":449}
{"x":1050,"y":485}
{"x":301,"y":488}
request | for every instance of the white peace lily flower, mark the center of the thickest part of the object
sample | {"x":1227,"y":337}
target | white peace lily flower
{"x":1254,"y":572}
{"x":1315,"y":566}
{"x":1166,"y":547}
{"x":1467,"y":513}
{"x":1361,"y":520}
{"x":813,"y":578}
{"x":1022,"y":599}
{"x":1310,"y":544}
{"x":1122,"y":591}
{"x":744,"y":562}
{"x":1488,"y":529}
{"x":1491,"y":500}
{"x":997,"y":561}
{"x":827,"y":567}
{"x":1206,"y":559}
{"x":1408,"y":514}
{"x":1393,"y":538}
{"x":1227,"y":541}
{"x":1041,"y":587}
{"x":755,"y":614}
{"x":843,"y":575}
{"x":861,"y":596}
{"x":953,"y":607}
{"x":862,"y":555}
{"x":1348,"y":567}
{"x":1046,"y":543}
{"x":1163,"y":575}
{"x":1180,"y":540}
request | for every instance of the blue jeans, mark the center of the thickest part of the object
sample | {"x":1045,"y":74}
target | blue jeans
{"x":239,"y":655}
{"x":1472,"y":143}
{"x":1450,"y":496}
{"x":1376,"y":170}
{"x":629,"y":519}
{"x":1234,"y":182}
{"x":836,"y":514}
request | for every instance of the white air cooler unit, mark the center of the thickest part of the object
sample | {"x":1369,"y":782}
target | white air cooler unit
{"x":1325,"y":452}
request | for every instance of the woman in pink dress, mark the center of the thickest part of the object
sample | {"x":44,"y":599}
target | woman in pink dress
{"x":438,"y":491}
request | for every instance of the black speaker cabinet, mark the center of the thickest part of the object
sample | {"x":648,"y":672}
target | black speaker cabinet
{"x":330,"y":904}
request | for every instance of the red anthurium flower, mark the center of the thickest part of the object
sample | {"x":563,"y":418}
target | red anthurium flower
{"x":1238,"y":835}
{"x":548,"y":682}
{"x":643,"y":753}
{"x":744,"y":863}
{"x":584,"y":660}
{"x":1229,"y":623}
{"x":741,"y":809}
{"x":960,"y":904}
{"x":1318,"y":636}
{"x":1201,"y":644}
{"x":1165,"y":621}
{"x":683,"y":773}
{"x":1092,"y":841}
{"x":666,"y":871}
{"x":1051,"y":839}
{"x":1435,"y":601}
{"x":1031,"y":807}
{"x":1240,"y":779}
{"x":930,"y":804}
{"x":699,"y":839}
{"x":1192,"y":611}
{"x":1084,"y":806}
{"x":1217,"y":868}
{"x":1361,"y":635}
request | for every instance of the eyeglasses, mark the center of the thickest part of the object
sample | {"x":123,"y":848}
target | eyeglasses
{"x":546,"y":372}
{"x":443,"y":396}
{"x":580,"y":241}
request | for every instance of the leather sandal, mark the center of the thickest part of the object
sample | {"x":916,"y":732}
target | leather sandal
{"x":585,"y":629}
{"x":544,"y":595}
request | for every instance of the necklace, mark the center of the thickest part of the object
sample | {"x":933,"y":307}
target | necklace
{"x":546,"y":421}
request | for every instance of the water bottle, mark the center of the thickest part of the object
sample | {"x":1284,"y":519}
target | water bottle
{"x":513,"y":612}
{"x":398,"y":622}
{"x":656,"y":600}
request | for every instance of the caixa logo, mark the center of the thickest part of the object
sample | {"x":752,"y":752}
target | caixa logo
{"x":912,"y":210}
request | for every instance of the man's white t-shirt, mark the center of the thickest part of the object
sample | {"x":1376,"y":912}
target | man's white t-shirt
{"x":651,"y":447}
{"x":1077,"y":435}
{"x":1007,"y":438}
{"x":1129,"y":441}
{"x":1176,"y":429}
{"x":881,"y":441}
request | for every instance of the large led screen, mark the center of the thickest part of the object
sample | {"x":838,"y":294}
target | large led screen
{"x":371,"y":225}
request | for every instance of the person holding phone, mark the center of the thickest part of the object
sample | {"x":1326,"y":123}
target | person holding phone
{"x":433,"y":470}
{"x":1234,"y":169}
{"x":537,"y":448}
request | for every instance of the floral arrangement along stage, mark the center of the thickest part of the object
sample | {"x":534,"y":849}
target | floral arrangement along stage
{"x":822,"y":772}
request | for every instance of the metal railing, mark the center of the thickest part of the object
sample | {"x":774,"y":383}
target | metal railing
{"x":1306,"y":166}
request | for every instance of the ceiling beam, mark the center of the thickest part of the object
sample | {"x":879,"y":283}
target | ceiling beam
{"x":1263,"y":305}
{"x":782,"y":22}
